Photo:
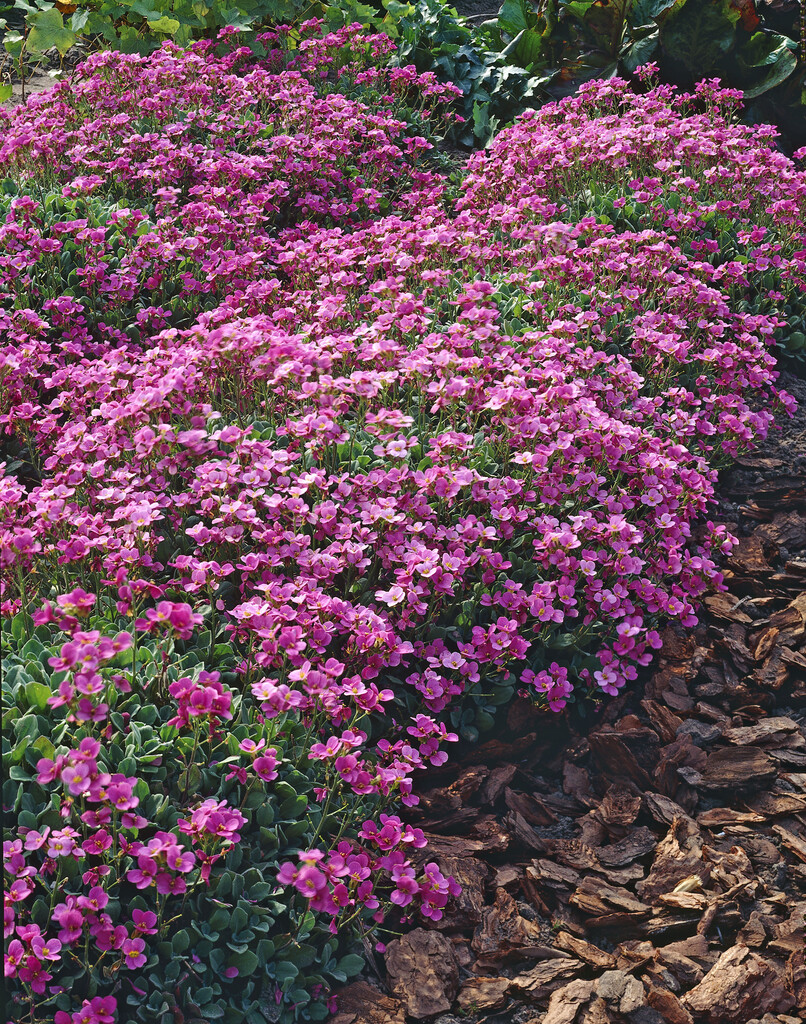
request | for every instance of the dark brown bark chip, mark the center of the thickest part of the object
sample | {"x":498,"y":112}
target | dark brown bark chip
{"x":423,"y":972}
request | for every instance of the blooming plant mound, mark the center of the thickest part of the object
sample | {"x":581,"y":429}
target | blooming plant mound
{"x":315,"y":466}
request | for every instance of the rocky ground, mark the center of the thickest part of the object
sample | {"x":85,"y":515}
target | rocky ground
{"x":648,"y":866}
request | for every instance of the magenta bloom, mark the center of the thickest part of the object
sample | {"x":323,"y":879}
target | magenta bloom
{"x":265,"y":765}
{"x":144,"y":921}
{"x":133,"y":955}
{"x":77,"y":778}
{"x":144,"y":874}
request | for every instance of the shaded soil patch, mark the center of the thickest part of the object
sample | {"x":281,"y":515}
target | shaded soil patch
{"x":648,"y":866}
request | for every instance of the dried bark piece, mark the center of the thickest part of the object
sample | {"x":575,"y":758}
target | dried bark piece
{"x":787,"y":529}
{"x":468,"y":782}
{"x":618,"y":810}
{"x":786,"y":757}
{"x":522,"y":833}
{"x":768,"y":733}
{"x":578,"y":855}
{"x":764,"y":643}
{"x":790,"y":935}
{"x":749,"y":557}
{"x":719,"y":816}
{"x":537,"y":984}
{"x":664,"y":721}
{"x":703,"y":734}
{"x":621,"y":990}
{"x":754,"y":934}
{"x":496,"y":782}
{"x":577,"y":784}
{"x":664,"y":810}
{"x":585,"y":951}
{"x":626,"y":755}
{"x":726,"y":606}
{"x":633,"y":954}
{"x":360,"y":1003}
{"x":739,"y":986}
{"x":565,"y":1003}
{"x":773,"y":673}
{"x":741,"y":767}
{"x":490,"y":831}
{"x":531,"y":808}
{"x":507,"y":875}
{"x":596,"y":1012}
{"x":668,"y":1006}
{"x":552,"y":877}
{"x":796,"y":978}
{"x":594,"y":897}
{"x":791,"y":657}
{"x":679,"y":855}
{"x":483,"y":994}
{"x":695,"y":901}
{"x":685,"y":970}
{"x":450,"y":846}
{"x":503,"y":930}
{"x":792,"y":842}
{"x":423,"y":972}
{"x":777,"y":805}
{"x":637,"y":844}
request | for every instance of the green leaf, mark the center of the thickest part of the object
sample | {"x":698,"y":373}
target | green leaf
{"x":699,"y":35}
{"x":526,"y":48}
{"x":37,"y":695}
{"x":285,"y":971}
{"x":5,"y":92}
{"x":246,"y":962}
{"x":641,"y":51}
{"x":643,"y":12}
{"x":775,"y":54}
{"x":48,"y":32}
{"x":351,"y":964}
{"x":26,"y":726}
{"x":170,"y":26}
{"x":514,"y":17}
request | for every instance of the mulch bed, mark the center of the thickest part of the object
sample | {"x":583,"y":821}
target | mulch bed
{"x":648,"y":866}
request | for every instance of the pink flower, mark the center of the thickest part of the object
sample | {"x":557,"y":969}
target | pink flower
{"x":133,"y":955}
{"x":265,"y":765}
{"x":144,"y":921}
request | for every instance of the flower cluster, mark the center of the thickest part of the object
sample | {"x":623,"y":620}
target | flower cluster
{"x":351,"y":878}
{"x":321,"y":469}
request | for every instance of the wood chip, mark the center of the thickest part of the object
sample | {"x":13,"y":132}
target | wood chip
{"x":483,"y":994}
{"x":792,"y":842}
{"x":741,"y":767}
{"x":537,"y":984}
{"x":585,"y":951}
{"x":360,"y":1003}
{"x":504,"y":930}
{"x":423,"y":972}
{"x":770,"y":732}
{"x":740,"y":986}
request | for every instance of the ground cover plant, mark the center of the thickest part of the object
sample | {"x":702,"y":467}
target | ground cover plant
{"x":316,"y":457}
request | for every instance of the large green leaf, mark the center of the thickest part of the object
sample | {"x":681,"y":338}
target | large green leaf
{"x":699,"y":35}
{"x":773,"y":56}
{"x":641,"y":49}
{"x":578,"y":8}
{"x":170,"y":26}
{"x":643,"y":12}
{"x":515,"y":16}
{"x":525,"y":48}
{"x":48,"y":33}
